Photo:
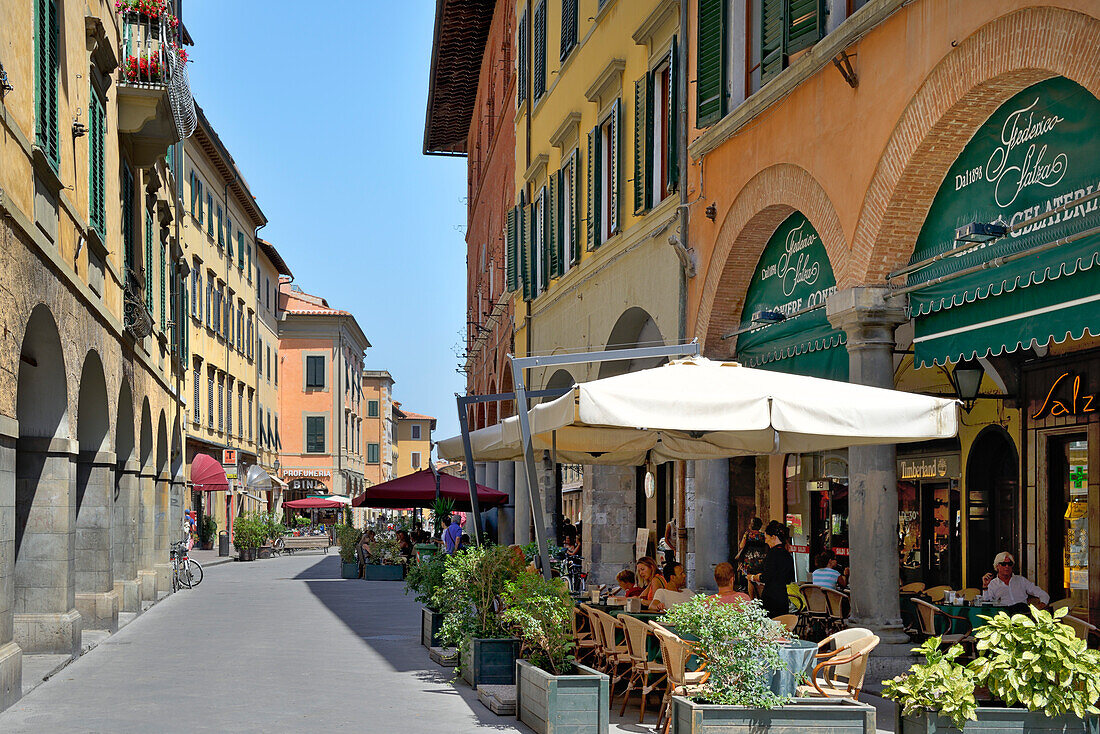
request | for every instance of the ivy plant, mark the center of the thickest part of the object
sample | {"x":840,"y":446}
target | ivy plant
{"x":1038,"y":662}
{"x":938,"y":685}
{"x":539,"y":612}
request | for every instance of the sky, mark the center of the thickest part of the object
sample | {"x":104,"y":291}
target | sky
{"x":322,"y":108}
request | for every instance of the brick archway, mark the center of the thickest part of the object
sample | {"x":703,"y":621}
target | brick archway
{"x":760,"y":207}
{"x":1000,"y":59}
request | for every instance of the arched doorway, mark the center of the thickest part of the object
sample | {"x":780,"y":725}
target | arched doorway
{"x":125,"y":511}
{"x":993,"y":491}
{"x":45,"y":616}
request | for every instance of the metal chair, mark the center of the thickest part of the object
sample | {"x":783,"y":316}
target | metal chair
{"x":848,"y":663}
{"x":646,"y":675}
{"x":675,"y":653}
{"x":813,"y":620}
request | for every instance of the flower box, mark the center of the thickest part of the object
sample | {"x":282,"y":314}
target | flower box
{"x":378,"y":572}
{"x":349,"y":570}
{"x":431,"y":622}
{"x":995,"y":720}
{"x":490,"y":662}
{"x":823,"y":715}
{"x":562,"y":704}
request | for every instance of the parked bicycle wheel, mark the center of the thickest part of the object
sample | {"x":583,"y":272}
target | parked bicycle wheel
{"x":193,"y":573}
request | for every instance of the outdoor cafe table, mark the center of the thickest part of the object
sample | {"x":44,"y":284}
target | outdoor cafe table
{"x":973,"y":614}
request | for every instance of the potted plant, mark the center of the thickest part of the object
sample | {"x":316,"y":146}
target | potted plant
{"x":442,"y":507}
{"x":553,"y":691}
{"x":469,"y":598}
{"x":742,"y":648}
{"x":423,"y":578}
{"x":242,"y":537}
{"x":1037,"y":673}
{"x":272,"y":530}
{"x":383,"y":559}
{"x":347,"y":538}
{"x":208,"y":529}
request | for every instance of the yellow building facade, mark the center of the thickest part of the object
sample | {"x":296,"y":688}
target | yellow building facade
{"x":414,"y":440}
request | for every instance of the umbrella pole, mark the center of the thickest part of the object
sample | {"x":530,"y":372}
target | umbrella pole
{"x":529,"y":461}
{"x":471,"y":479}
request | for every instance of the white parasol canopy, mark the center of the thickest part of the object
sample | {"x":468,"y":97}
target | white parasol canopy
{"x":701,"y":409}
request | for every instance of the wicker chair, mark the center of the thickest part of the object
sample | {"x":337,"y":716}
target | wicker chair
{"x":646,"y":675}
{"x":675,"y":653}
{"x":813,"y":620}
{"x":790,"y":621}
{"x":835,"y":602}
{"x":848,"y":663}
{"x":584,"y":637}
{"x":970,"y":593}
{"x":600,"y":651}
{"x":1081,"y":628}
{"x":936,"y":593}
{"x":914,"y":588}
{"x":617,"y":661}
{"x":1059,"y":604}
{"x":927,"y":617}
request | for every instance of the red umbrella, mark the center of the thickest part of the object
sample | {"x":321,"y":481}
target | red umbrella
{"x":313,"y":503}
{"x":418,"y":490}
{"x":207,"y":474}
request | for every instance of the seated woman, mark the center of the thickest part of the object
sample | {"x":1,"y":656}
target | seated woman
{"x":627,"y":587}
{"x":404,"y":545}
{"x":648,"y":578}
{"x":572,"y":545}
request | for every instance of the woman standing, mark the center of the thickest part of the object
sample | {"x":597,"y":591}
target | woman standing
{"x":778,"y":570}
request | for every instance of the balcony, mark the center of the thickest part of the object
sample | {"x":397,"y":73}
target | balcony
{"x":137,"y":320}
{"x":155,"y":106}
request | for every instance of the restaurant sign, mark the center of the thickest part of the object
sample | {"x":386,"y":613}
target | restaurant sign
{"x":916,"y":468}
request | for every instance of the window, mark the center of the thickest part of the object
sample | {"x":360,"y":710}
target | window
{"x":227,"y":316}
{"x":229,"y":405}
{"x":372,"y":408}
{"x":250,"y":414}
{"x":248,"y":251}
{"x":248,"y":338}
{"x":278,"y":438}
{"x":568,"y":27}
{"x":655,"y":134}
{"x":221,"y":230}
{"x":269,"y":363}
{"x":414,"y":457}
{"x":221,"y":402}
{"x":46,"y":68}
{"x":210,"y":401}
{"x":568,"y":222}
{"x":315,"y":372}
{"x":196,"y":195}
{"x":521,"y":60}
{"x":539,"y":67}
{"x":148,"y":262}
{"x":260,"y":425}
{"x":97,"y":213}
{"x":539,"y":251}
{"x":240,"y":251}
{"x":512,"y":250}
{"x":372,"y":453}
{"x":240,"y":411}
{"x":315,"y":434}
{"x":276,"y":366}
{"x":229,"y":238}
{"x":240,"y":326}
{"x":196,"y":292}
{"x":196,"y":378}
{"x":210,"y":214}
{"x":603,"y":179}
{"x":415,"y":431}
{"x":209,"y":299}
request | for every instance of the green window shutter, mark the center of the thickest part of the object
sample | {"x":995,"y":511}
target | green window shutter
{"x":771,"y":39}
{"x":539,"y":70}
{"x":163,"y":291}
{"x":672,"y":165}
{"x":183,"y":326}
{"x":643,"y":143}
{"x":96,"y":208}
{"x":210,"y":214}
{"x":248,"y":251}
{"x":805,"y":24}
{"x":229,"y":239}
{"x":553,"y":229}
{"x":47,"y":134}
{"x":221,"y":229}
{"x":240,"y":250}
{"x":198,"y":182}
{"x":148,"y":264}
{"x":510,"y":241}
{"x":568,"y":27}
{"x":521,"y":60}
{"x":544,"y":239}
{"x":128,"y":219}
{"x":613,"y":183}
{"x":575,"y":220}
{"x":193,"y":180}
{"x":594,"y":188}
{"x":525,"y":249}
{"x":710,"y":67}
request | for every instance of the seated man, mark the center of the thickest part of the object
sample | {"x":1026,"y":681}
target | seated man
{"x":1010,"y":590}
{"x":724,"y":578}
{"x":827,"y":573}
{"x":674,"y":591}
{"x":627,"y":586}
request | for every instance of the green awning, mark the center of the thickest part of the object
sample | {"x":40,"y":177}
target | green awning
{"x":1052,"y":311}
{"x":803,"y":345}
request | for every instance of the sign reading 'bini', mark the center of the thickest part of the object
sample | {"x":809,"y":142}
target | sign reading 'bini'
{"x":1065,"y":397}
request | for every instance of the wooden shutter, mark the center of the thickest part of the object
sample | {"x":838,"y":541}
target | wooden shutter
{"x":96,"y":207}
{"x":710,"y":67}
{"x":148,"y":264}
{"x":128,"y":219}
{"x":525,"y":249}
{"x":47,"y":134}
{"x":672,"y":165}
{"x":594,"y":188}
{"x":521,"y":60}
{"x":574,"y":200}
{"x":771,"y":39}
{"x":568,"y":27}
{"x":163,"y":290}
{"x":544,"y":239}
{"x":643,"y":143}
{"x":194,"y":191}
{"x":613,"y":176}
{"x":539,"y":71}
{"x":553,"y":229}
{"x":240,"y":250}
{"x":805,"y":24}
{"x":511,"y":272}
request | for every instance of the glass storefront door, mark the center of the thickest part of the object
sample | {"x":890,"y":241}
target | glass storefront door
{"x":930,"y":532}
{"x":1069,"y":520}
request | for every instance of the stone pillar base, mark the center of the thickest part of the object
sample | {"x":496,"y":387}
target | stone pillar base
{"x":11,"y":674}
{"x":100,"y":611}
{"x":164,"y":578}
{"x":886,"y":662}
{"x":147,"y":581}
{"x":129,"y":596}
{"x":49,"y":633}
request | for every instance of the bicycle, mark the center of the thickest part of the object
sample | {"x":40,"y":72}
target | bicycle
{"x":186,"y":572}
{"x":571,"y":568}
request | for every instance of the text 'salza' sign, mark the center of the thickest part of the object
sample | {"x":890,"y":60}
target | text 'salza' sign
{"x":1067,"y":396}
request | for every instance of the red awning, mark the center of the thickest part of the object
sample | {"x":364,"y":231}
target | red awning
{"x":207,"y":474}
{"x":313,"y":503}
{"x":418,"y":490}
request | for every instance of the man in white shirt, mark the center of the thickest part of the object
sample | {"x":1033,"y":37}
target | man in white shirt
{"x":674,"y":591}
{"x":1008,"y":589}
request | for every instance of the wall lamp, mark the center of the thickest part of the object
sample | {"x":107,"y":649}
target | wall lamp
{"x":967,"y":380}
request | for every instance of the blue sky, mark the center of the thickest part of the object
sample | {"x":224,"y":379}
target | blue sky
{"x":322,"y":107}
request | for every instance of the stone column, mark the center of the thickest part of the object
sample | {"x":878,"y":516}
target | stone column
{"x":479,"y":477}
{"x":177,"y":492}
{"x":869,"y":321}
{"x":489,"y":516}
{"x":161,"y":532}
{"x":506,"y":478}
{"x":125,"y":534}
{"x":522,"y":505}
{"x":146,"y":558}
{"x":548,"y":485}
{"x":45,"y":618}
{"x":11,"y":656}
{"x":96,"y":598}
{"x":712,"y":509}
{"x":609,"y":521}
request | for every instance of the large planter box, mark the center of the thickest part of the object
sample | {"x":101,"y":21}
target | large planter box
{"x":431,"y":622}
{"x":372,"y":572}
{"x":562,"y":704}
{"x":490,"y":662}
{"x":349,"y":570}
{"x":823,"y":715}
{"x":996,"y":721}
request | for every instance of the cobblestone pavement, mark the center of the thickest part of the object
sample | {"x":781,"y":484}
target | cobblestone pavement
{"x":272,"y":646}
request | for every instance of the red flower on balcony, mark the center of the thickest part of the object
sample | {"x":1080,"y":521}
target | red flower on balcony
{"x":143,"y":69}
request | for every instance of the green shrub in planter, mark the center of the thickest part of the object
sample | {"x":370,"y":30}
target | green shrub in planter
{"x":540,"y":612}
{"x":347,"y":538}
{"x":208,"y":529}
{"x":425,"y":577}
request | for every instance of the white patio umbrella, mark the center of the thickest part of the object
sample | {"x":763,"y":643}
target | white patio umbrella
{"x":702,"y":409}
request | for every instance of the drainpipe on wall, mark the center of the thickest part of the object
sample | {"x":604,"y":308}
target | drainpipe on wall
{"x":687,"y":269}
